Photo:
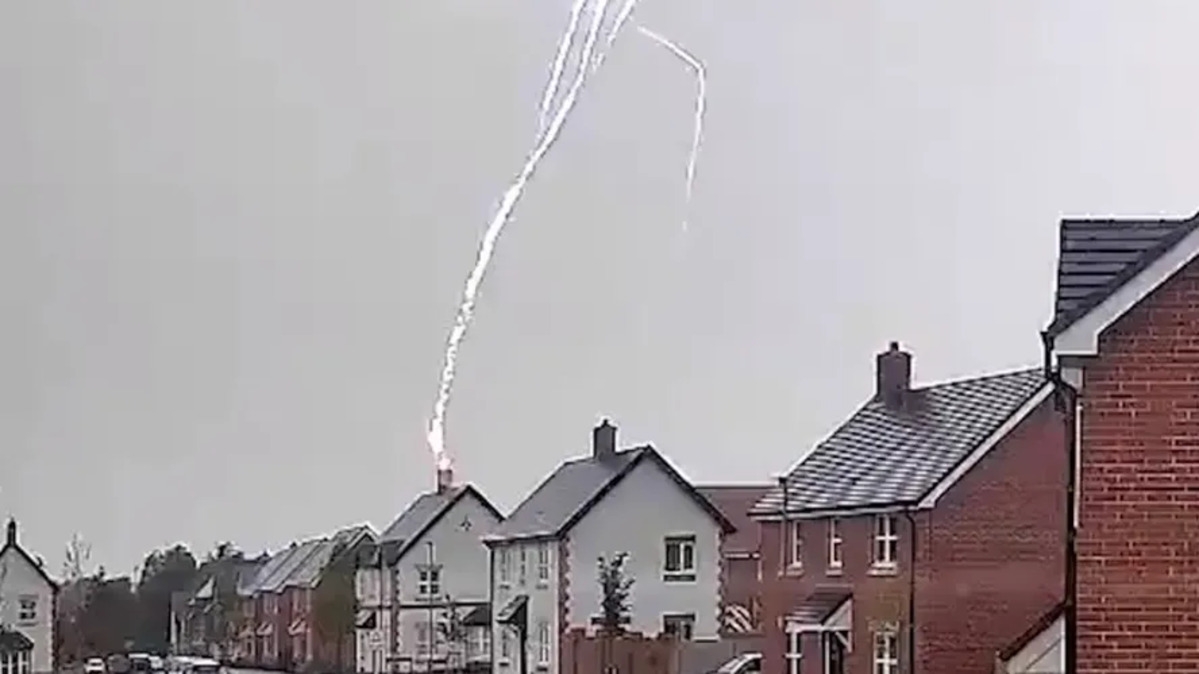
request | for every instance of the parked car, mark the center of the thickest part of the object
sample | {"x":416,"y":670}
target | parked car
{"x":156,"y":663}
{"x":139,"y":663}
{"x":745,"y":663}
{"x":94,"y":666}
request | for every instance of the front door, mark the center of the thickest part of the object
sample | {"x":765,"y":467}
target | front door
{"x":833,"y":648}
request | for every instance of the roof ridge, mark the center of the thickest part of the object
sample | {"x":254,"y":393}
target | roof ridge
{"x":1029,"y":369}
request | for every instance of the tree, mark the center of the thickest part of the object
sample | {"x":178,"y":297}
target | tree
{"x":164,"y":573}
{"x":453,"y":631}
{"x":334,"y":603}
{"x":616,"y":589}
{"x":110,"y":616}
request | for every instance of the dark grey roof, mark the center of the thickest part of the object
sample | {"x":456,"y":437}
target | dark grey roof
{"x":419,"y":517}
{"x":274,"y":576}
{"x":882,"y":457}
{"x":1096,"y":257}
{"x":12,"y":641}
{"x":576,"y":486}
{"x":309,"y":571}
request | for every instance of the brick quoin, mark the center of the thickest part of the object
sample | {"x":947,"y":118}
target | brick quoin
{"x":1138,"y":541}
{"x":990,"y":560}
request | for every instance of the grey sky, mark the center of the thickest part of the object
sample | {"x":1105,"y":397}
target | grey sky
{"x":235,"y":233}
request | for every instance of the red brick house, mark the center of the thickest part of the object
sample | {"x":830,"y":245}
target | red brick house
{"x":928,"y":529}
{"x":1124,"y":350}
{"x":740,"y":568}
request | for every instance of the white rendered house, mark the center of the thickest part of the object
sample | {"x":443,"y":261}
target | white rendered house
{"x":26,"y":610}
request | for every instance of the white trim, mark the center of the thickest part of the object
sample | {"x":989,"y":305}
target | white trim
{"x":1044,"y":649}
{"x":842,"y":618}
{"x":836,"y":512}
{"x":982,"y":450}
{"x":1081,"y":338}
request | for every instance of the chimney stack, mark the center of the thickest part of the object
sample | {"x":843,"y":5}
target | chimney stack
{"x":893,"y":376}
{"x":445,"y":479}
{"x":603,"y":441}
{"x":11,"y":533}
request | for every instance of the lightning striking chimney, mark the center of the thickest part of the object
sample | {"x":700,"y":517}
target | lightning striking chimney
{"x":893,"y":376}
{"x":603,"y":441}
{"x":445,"y":479}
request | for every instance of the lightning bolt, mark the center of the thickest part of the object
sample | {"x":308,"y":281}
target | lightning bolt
{"x":622,"y":17}
{"x":466,"y":310}
{"x":555,"y":81}
{"x":701,"y":98}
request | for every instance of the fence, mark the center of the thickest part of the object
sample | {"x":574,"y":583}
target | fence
{"x":634,"y":653}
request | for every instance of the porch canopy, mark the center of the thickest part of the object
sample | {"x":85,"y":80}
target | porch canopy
{"x":824,"y":610}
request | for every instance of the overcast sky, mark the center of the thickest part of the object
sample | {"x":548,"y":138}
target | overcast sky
{"x":233,"y":237}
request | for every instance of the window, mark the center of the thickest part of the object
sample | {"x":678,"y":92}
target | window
{"x":429,"y":581}
{"x":886,"y":652}
{"x":505,"y":566}
{"x":27,"y":610}
{"x":886,"y":541}
{"x":505,"y":644}
{"x":543,"y":563}
{"x":422,"y":638}
{"x":680,"y":558}
{"x":681,"y":625}
{"x":834,"y":545}
{"x":523,"y":570}
{"x":795,"y":553}
{"x":543,"y":643}
{"x":794,"y":654}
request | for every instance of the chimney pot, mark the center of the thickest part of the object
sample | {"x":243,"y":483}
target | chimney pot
{"x":445,"y":479}
{"x":603,"y":441}
{"x":893,"y":376}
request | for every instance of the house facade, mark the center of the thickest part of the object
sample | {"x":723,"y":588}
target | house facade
{"x":1124,"y":344}
{"x":924,"y":534}
{"x":613,"y":502}
{"x":27,"y":596}
{"x":278,"y":625}
{"x":421,"y":587}
{"x":741,"y":567}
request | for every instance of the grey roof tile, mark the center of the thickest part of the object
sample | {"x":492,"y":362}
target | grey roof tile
{"x":1096,"y":257}
{"x":309,"y":571}
{"x":885,"y":457}
{"x":293,"y":557}
{"x":571,"y":490}
{"x":556,"y":500}
{"x":418,"y":514}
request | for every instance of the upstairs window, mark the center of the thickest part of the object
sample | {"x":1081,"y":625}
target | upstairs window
{"x":543,"y":563}
{"x":505,"y":566}
{"x":834,"y":545}
{"x":886,"y":541}
{"x":429,"y":582}
{"x":679,"y":559}
{"x":27,"y":609}
{"x":795,"y":549}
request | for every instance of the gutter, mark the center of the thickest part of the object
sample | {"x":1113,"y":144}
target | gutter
{"x":1066,"y":400}
{"x":912,"y":591}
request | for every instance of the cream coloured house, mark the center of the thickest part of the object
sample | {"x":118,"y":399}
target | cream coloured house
{"x":26,"y":610}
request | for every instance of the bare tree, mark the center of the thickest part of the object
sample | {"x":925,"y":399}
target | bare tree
{"x":79,"y":556}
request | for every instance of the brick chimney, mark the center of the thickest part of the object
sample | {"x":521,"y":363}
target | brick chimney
{"x":445,"y":479}
{"x":10,"y":537}
{"x":603,"y":441}
{"x":893,"y":376}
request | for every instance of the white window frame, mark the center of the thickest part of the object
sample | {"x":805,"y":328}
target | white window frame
{"x":793,"y":649}
{"x":835,"y":543}
{"x":684,"y":545}
{"x":684,"y":622}
{"x":522,"y":569}
{"x":795,"y":549}
{"x":505,"y":645}
{"x":886,"y":541}
{"x":505,"y":566}
{"x":543,"y":563}
{"x":424,"y":641}
{"x":428,"y":582}
{"x":885,"y":651}
{"x":543,"y":643}
{"x":27,"y":608}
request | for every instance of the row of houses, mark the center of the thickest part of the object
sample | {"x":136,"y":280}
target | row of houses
{"x":1036,"y":520}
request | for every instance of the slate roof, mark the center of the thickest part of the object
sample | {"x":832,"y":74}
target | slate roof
{"x":735,"y":501}
{"x":420,"y":516}
{"x":885,"y":457}
{"x":12,"y":641}
{"x":1097,"y":257}
{"x":301,"y":564}
{"x":309,"y":571}
{"x":572,"y":490}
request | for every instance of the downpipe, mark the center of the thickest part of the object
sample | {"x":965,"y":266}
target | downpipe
{"x":1066,"y":401}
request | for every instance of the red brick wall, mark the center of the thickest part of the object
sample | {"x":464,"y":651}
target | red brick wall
{"x":739,"y":582}
{"x":1138,"y":566}
{"x":877,"y":598}
{"x":993,"y":550}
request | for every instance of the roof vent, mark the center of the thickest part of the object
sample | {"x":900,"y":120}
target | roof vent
{"x":893,"y":376}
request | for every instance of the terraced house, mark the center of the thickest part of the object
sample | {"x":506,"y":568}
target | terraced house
{"x":614,"y":501}
{"x":924,"y":534}
{"x":279,"y":626}
{"x":1124,"y":345}
{"x":422,"y":588}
